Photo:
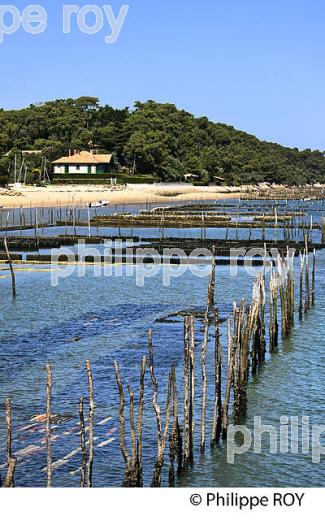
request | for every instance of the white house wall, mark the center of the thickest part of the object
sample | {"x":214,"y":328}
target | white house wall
{"x":73,"y":169}
{"x":80,"y":169}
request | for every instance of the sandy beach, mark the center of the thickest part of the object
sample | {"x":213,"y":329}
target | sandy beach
{"x":65,"y":195}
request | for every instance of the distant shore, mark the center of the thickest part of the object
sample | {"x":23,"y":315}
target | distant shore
{"x":81,"y":195}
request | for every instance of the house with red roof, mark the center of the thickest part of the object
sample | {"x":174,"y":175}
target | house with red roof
{"x":83,"y":163}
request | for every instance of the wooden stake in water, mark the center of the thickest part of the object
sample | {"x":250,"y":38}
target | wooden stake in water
{"x":307,"y":299}
{"x":262,"y":317}
{"x":36,"y":225}
{"x":274,"y":326}
{"x":313,"y":290}
{"x":133,"y":472}
{"x":302,"y":266}
{"x":8,"y":431}
{"x":122,"y":427}
{"x":12,"y":272}
{"x":89,"y":227}
{"x":11,"y":461}
{"x":175,"y":439}
{"x":186,"y":394}
{"x":238,"y":316}
{"x":290,"y":290}
{"x":204,"y":348}
{"x":133,"y":437}
{"x":162,"y":434}
{"x":49,"y":425}
{"x":91,"y":425}
{"x":192,"y":387}
{"x":229,"y":383}
{"x":140,"y":423}
{"x":82,"y":444}
{"x":217,"y":410}
{"x":256,"y":325}
{"x":244,"y":363}
{"x":9,"y":481}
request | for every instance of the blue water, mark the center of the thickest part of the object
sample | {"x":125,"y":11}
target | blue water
{"x":104,"y":319}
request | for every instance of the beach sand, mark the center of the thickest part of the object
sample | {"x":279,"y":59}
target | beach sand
{"x":68,"y":195}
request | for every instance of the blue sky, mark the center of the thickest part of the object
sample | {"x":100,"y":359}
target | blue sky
{"x":255,"y":64}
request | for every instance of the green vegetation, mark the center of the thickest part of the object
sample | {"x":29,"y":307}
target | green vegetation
{"x":4,"y":176}
{"x":102,"y":178}
{"x":155,"y":139}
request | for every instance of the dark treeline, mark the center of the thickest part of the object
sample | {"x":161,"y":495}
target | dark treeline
{"x":155,"y":139}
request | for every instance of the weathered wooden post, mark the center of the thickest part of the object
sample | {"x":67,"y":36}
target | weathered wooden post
{"x":139,"y":474}
{"x":283,"y":297}
{"x":256,"y":325}
{"x":273,"y":311}
{"x":229,"y":383}
{"x":162,"y":434}
{"x":238,"y":312}
{"x":133,"y":440}
{"x":8,"y":431}
{"x":82,"y":444}
{"x":12,"y":272}
{"x":127,"y":478}
{"x":175,"y":439}
{"x":9,"y":481}
{"x":192,"y":386}
{"x":244,"y":364}
{"x":217,"y":410}
{"x":210,"y":302}
{"x":49,"y":426}
{"x":323,"y":230}
{"x":313,"y":291}
{"x":263,"y":228}
{"x":302,"y":266}
{"x":291,"y":287}
{"x":186,"y":393}
{"x":307,"y":300}
{"x":11,"y":461}
{"x":262,"y":350}
{"x":91,"y":425}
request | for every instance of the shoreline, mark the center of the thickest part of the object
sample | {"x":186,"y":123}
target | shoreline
{"x":83,"y":195}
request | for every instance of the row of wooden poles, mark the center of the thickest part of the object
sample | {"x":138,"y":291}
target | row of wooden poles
{"x":87,"y":446}
{"x":292,"y":230}
{"x":286,"y":194}
{"x":247,"y":347}
{"x":38,"y":217}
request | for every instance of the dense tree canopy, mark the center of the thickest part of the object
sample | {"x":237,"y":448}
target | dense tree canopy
{"x":4,"y":175}
{"x":157,"y":139}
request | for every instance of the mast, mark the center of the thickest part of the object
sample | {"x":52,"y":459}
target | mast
{"x":15,"y":169}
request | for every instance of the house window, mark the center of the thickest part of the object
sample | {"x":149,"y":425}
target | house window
{"x":78,"y":168}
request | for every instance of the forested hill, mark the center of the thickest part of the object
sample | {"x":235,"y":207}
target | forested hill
{"x":159,"y":139}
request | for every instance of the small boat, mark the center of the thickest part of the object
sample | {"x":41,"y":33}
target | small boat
{"x":99,"y":204}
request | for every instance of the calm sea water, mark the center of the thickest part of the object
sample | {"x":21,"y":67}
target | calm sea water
{"x":104,"y":319}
